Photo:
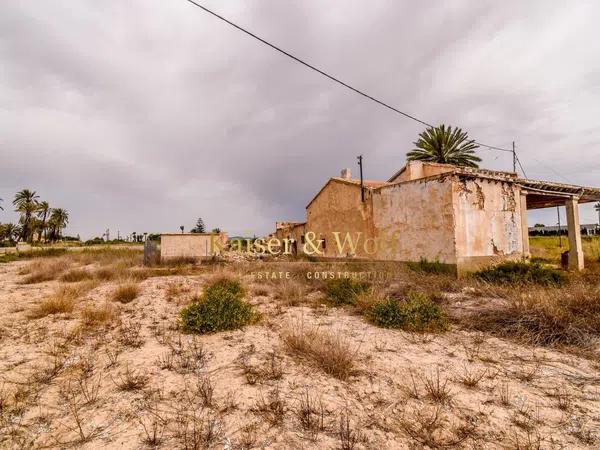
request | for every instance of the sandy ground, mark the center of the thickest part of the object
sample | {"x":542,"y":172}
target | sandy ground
{"x":525,"y":397}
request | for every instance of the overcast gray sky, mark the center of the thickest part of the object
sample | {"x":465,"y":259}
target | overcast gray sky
{"x":142,"y":115}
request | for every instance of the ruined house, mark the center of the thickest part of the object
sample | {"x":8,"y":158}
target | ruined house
{"x":467,"y":218}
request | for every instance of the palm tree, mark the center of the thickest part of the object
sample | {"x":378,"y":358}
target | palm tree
{"x":1,"y":208}
{"x":59,"y":218}
{"x":42,"y":211}
{"x":445,"y":145}
{"x":26,"y":204}
{"x":9,"y":231}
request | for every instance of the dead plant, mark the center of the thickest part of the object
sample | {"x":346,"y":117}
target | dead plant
{"x":437,"y":388}
{"x":131,"y":379}
{"x":349,"y":436}
{"x":272,"y":409}
{"x":329,"y":351}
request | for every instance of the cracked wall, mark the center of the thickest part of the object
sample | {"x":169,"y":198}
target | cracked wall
{"x":487,"y":222}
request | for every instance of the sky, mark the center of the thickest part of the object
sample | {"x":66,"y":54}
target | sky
{"x":147,"y":114}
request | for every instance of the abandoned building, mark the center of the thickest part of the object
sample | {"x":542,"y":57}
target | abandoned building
{"x":464,"y":217}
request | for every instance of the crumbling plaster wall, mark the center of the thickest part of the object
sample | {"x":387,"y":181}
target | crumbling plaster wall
{"x":421,"y":213}
{"x":338,"y":208}
{"x":487,"y":222}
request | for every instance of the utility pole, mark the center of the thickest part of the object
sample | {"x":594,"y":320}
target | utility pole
{"x":559,"y":236}
{"x":514,"y":158}
{"x":362,"y":190}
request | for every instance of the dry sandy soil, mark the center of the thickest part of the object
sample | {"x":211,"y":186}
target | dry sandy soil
{"x":121,"y":375}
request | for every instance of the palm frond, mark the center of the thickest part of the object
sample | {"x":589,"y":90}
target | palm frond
{"x":445,"y":145}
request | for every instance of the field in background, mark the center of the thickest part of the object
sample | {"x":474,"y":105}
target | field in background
{"x":93,"y":355}
{"x":549,"y":247}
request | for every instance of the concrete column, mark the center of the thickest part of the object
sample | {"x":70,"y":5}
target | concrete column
{"x":575,"y":247}
{"x":524,"y":226}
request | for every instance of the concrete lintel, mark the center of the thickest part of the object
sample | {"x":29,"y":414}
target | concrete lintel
{"x":575,"y":247}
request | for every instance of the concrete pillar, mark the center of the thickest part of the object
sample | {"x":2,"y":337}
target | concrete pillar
{"x":524,"y":226}
{"x":575,"y":247}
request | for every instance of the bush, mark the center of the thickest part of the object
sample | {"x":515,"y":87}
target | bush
{"x":225,"y":286}
{"x":220,"y":308}
{"x":343,"y":291}
{"x":515,"y":272}
{"x":427,"y":266}
{"x":416,"y":313}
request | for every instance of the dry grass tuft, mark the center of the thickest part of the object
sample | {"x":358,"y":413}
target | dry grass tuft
{"x":546,"y":316}
{"x":291,"y":293}
{"x":43,"y":270}
{"x":61,"y":302}
{"x":331,"y":352}
{"x":75,"y":275}
{"x":126,"y":293}
{"x":105,"y":273}
{"x":98,"y":315}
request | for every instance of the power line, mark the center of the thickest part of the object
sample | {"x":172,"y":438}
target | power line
{"x":520,"y":165}
{"x":325,"y":74}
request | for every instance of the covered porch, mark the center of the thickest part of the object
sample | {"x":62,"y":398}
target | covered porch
{"x":544,"y":194}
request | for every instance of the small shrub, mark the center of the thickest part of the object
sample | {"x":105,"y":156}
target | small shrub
{"x":220,"y":308}
{"x":426,"y":266}
{"x":126,"y":293}
{"x":516,"y":272}
{"x":343,"y":291}
{"x":416,"y":313}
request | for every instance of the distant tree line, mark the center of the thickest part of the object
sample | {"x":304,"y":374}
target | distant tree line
{"x":37,"y":222}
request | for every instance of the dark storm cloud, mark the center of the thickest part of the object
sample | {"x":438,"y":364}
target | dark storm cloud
{"x":144,"y":115}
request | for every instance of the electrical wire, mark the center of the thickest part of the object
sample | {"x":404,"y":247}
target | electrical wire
{"x":325,"y":74}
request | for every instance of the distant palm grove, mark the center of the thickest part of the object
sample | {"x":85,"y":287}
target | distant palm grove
{"x":38,"y":222}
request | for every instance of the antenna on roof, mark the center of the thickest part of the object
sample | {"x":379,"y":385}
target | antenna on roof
{"x":362,"y":190}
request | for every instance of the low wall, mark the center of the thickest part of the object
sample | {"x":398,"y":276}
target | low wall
{"x":190,"y":245}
